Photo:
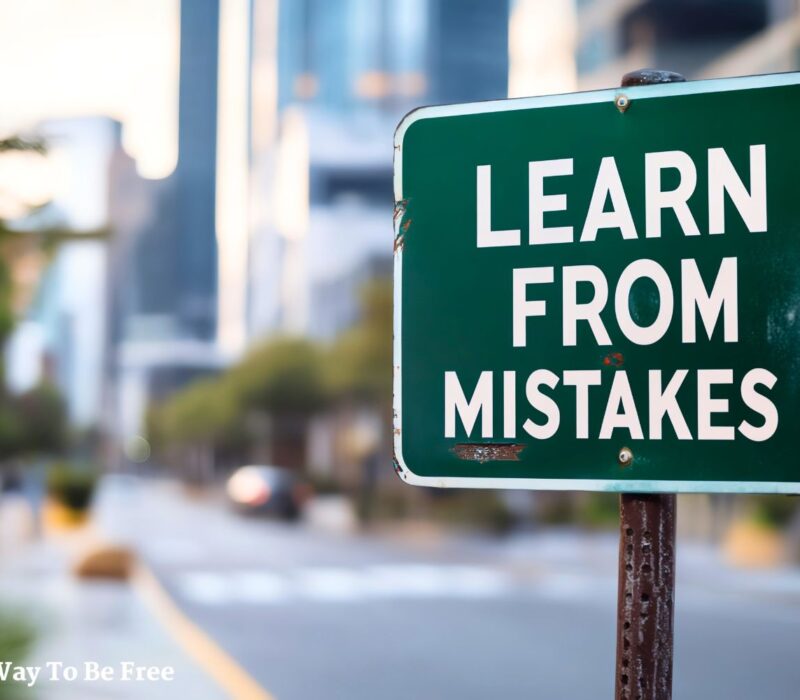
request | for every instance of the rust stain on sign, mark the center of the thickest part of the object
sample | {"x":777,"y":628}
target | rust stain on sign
{"x":488,"y":452}
{"x":400,"y":208}
{"x":398,"y":469}
{"x":402,"y":222}
{"x":614,"y":359}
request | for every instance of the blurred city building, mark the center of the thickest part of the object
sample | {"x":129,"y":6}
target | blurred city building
{"x":343,"y":75}
{"x":564,"y":45}
{"x":61,"y":338}
{"x":163,"y":254}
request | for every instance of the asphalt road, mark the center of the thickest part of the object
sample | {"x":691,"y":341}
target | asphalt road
{"x":312,"y":615}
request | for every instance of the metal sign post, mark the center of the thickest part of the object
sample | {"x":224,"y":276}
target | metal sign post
{"x":646,"y":597}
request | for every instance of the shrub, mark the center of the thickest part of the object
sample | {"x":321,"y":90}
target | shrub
{"x":774,"y":512}
{"x":71,"y":485}
{"x":17,"y":636}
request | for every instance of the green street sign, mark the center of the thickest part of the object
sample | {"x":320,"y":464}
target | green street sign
{"x":601,"y":290}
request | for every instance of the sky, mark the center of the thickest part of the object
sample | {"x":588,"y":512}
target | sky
{"x":66,"y":58}
{"x":79,"y":58}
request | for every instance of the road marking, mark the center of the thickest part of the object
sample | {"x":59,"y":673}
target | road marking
{"x":214,"y":660}
{"x":330,"y":584}
{"x":175,"y":551}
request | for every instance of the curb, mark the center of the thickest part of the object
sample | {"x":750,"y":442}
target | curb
{"x":198,"y":645}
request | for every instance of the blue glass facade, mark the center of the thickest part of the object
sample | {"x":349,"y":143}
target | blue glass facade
{"x":195,"y":176}
{"x":391,"y":54}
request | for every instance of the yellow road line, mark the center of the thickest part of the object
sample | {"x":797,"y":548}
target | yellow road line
{"x":215,"y":661}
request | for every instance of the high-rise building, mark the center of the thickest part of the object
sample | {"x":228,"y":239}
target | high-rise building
{"x":162,"y":316}
{"x":468,"y":50}
{"x":391,"y":54}
{"x":346,"y":72}
{"x":195,"y":262}
{"x":170,"y":262}
{"x":697,"y":38}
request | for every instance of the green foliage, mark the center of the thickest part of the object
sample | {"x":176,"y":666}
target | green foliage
{"x":11,"y":430}
{"x":774,"y":512}
{"x":360,"y":361}
{"x":6,"y":313}
{"x":7,"y":145}
{"x":206,"y":411}
{"x":72,"y":485}
{"x":480,"y":509}
{"x":42,"y":416}
{"x":284,"y":376}
{"x":598,"y":510}
{"x":281,"y":376}
{"x":32,"y":423}
{"x":20,"y":143}
{"x":17,"y":636}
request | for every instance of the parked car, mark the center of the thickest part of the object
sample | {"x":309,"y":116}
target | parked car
{"x":267,"y":490}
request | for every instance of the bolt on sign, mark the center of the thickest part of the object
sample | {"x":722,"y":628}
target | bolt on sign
{"x":601,"y":290}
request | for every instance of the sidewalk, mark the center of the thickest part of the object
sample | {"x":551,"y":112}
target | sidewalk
{"x":80,"y":621}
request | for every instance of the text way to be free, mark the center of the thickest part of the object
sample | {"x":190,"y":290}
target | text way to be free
{"x":715,"y":304}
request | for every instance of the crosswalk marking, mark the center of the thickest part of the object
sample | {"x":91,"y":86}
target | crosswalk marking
{"x":344,"y":585}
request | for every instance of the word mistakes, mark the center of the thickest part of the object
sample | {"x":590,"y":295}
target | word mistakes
{"x":708,"y":401}
{"x":688,"y":302}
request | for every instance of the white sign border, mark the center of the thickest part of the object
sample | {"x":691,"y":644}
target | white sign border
{"x":635,"y":93}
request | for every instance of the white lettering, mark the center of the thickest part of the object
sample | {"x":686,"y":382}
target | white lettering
{"x":722,"y":178}
{"x":621,"y":396}
{"x":539,"y":202}
{"x":582,"y":379}
{"x":608,"y":184}
{"x":707,"y":406}
{"x":760,"y":404}
{"x":590,"y":311}
{"x":644,"y":335}
{"x":724,"y":293}
{"x":677,"y":200}
{"x":542,"y":402}
{"x":665,"y":402}
{"x":522,"y":308}
{"x":455,"y":401}
{"x":487,"y":238}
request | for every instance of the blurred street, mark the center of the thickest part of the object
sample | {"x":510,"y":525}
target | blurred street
{"x":398,"y":615}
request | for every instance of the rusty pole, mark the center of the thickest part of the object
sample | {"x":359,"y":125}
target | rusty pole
{"x":646,"y":597}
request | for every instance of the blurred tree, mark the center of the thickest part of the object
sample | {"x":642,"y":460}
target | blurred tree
{"x":7,"y":235}
{"x":360,"y":361}
{"x":11,"y":432}
{"x":195,"y":426}
{"x":34,"y":422}
{"x":207,"y":411}
{"x":359,"y":371}
{"x":272,"y":393}
{"x":284,"y":375}
{"x":17,"y":637}
{"x":278,"y":383}
{"x":20,"y":143}
{"x":42,"y":417}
